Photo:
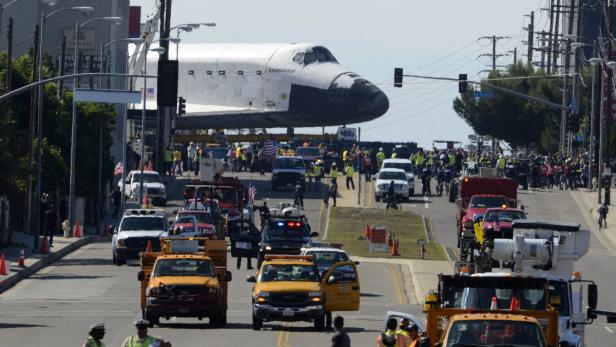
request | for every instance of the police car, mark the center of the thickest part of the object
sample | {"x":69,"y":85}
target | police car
{"x":325,"y":254}
{"x":137,"y":228}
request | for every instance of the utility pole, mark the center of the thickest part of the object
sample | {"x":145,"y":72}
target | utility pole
{"x":32,"y":202}
{"x":9,"y":58}
{"x":565,"y":97}
{"x":609,"y":119}
{"x":531,"y":35}
{"x":550,"y":46}
{"x":165,"y":113}
{"x":60,"y":90}
{"x":555,"y":43}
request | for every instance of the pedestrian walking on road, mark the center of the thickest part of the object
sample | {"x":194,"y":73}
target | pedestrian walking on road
{"x":331,"y":192}
{"x":348,"y":170}
{"x":142,"y":339}
{"x":177,"y":162}
{"x":116,"y":199}
{"x":51,"y":223}
{"x":97,"y":332}
{"x":299,"y":195}
{"x":340,"y":338}
{"x":603,"y":210}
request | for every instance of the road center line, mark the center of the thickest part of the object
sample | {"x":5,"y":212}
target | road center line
{"x":426,"y":205}
{"x":396,"y":280}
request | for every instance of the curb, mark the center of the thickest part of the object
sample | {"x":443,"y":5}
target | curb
{"x":43,"y":262}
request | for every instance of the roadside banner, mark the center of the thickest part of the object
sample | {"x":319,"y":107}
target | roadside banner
{"x":378,"y":239}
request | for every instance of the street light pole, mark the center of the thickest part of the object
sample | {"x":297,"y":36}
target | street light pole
{"x":143,"y":111}
{"x":593,"y":115}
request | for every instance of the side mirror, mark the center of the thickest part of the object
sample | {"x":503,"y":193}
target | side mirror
{"x":251,"y":279}
{"x":593,"y":295}
{"x":522,"y":207}
{"x":115,"y":230}
{"x":229,"y":277}
{"x":140,"y":276}
{"x":374,"y":178}
{"x":314,"y":234}
{"x":332,"y":279}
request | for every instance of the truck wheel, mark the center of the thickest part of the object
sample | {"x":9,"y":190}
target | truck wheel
{"x":114,"y":259}
{"x":120,"y":261}
{"x":219,"y":320}
{"x":154,"y":320}
{"x":319,"y":323}
{"x":257,"y":323}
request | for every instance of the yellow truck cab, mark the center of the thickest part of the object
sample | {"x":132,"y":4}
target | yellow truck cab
{"x":289,"y":288}
{"x":492,"y":329}
{"x":187,"y":278}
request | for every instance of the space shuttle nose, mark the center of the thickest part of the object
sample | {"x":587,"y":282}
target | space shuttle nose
{"x":378,"y":103}
{"x":369,"y":100}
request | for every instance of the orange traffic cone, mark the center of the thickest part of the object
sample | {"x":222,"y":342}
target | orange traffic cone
{"x":394,"y":248}
{"x":22,"y":258}
{"x":106,"y":231}
{"x":3,"y":266}
{"x":515,"y":304}
{"x":367,"y":232}
{"x":146,"y":201}
{"x":148,"y":248}
{"x":390,"y":240}
{"x":77,"y":230}
{"x":44,"y":246}
{"x":493,"y":305}
{"x":149,"y":167}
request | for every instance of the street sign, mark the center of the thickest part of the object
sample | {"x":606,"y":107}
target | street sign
{"x":483,"y":94}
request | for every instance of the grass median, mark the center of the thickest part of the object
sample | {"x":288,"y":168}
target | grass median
{"x":347,"y":225}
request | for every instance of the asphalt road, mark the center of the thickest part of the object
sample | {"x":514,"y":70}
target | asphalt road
{"x":56,"y":306}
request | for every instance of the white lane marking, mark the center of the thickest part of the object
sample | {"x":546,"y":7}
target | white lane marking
{"x":608,"y":329}
{"x":426,"y":205}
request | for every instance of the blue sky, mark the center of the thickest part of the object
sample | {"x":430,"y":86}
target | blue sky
{"x":430,"y":37}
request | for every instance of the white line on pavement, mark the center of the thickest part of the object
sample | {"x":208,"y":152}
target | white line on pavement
{"x":426,"y":205}
{"x":608,"y":329}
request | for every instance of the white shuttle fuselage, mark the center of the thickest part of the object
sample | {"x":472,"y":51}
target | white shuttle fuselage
{"x":269,"y":85}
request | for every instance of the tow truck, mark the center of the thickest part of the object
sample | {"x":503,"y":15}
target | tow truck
{"x":288,"y":288}
{"x":475,"y":196}
{"x":187,"y":278}
{"x":538,"y":251}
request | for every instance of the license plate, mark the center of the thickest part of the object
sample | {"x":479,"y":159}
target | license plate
{"x":184,"y":310}
{"x":243,"y":245}
{"x":288,"y":313}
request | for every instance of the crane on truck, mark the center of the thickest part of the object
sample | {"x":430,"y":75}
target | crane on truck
{"x":537,"y":251}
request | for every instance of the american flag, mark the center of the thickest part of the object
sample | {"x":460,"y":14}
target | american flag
{"x":252,"y":194}
{"x":119,"y":169}
{"x":270,"y":147}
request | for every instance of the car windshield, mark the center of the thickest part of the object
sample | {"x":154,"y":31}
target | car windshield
{"x":481,"y":298}
{"x":218,"y":153}
{"x":404,"y":166}
{"x":287,"y":229}
{"x":494,"y":333}
{"x":328,"y":258}
{"x":308,"y":151}
{"x":390,"y":175}
{"x":201,"y":217}
{"x":289,"y":163}
{"x":147,"y":178}
{"x":503,"y":216}
{"x":288,"y":272}
{"x":183,"y":267}
{"x":487,"y":201}
{"x":142,"y":223}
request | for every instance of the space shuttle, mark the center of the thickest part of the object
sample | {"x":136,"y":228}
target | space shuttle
{"x":268,"y":85}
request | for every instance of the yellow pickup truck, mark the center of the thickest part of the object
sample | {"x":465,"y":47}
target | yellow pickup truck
{"x":187,"y":278}
{"x":289,"y":288}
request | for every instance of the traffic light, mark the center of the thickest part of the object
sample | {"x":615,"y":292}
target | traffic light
{"x":462,"y":84}
{"x":181,"y":106}
{"x":398,"y":72}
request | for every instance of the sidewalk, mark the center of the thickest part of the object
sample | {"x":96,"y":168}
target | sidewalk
{"x":35,"y":261}
{"x":587,"y":202}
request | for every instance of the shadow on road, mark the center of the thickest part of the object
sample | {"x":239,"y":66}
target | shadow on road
{"x":82,"y":262}
{"x":20,"y":325}
{"x":370,"y":295}
{"x":65,"y":277}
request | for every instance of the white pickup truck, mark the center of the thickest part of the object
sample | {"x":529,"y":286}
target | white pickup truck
{"x":153,"y":186}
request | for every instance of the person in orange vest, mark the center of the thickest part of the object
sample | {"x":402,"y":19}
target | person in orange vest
{"x":388,"y":337}
{"x":413,"y":331}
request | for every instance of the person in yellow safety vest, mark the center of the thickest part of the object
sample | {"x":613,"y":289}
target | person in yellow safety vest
{"x":177,"y":162}
{"x":142,"y":339}
{"x":168,"y":161}
{"x":310,"y":174}
{"x":388,"y":337}
{"x":317,"y":172}
{"x":501,"y":163}
{"x":349,"y":175}
{"x":402,"y":336}
{"x":394,"y":155}
{"x":97,"y":332}
{"x":380,"y":156}
{"x":333,"y":172}
{"x":345,"y":155}
{"x":419,"y":159}
{"x":452,"y":159}
{"x":430,"y":160}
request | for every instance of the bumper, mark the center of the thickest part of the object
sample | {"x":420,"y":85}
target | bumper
{"x":128,"y":253}
{"x":159,"y":200}
{"x":288,"y":314}
{"x":184,"y":309}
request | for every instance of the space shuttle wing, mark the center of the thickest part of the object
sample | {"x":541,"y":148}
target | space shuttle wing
{"x":200,"y":116}
{"x":206,"y":110}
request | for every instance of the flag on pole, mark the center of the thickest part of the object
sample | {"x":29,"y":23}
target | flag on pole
{"x":252,"y":194}
{"x":270,"y":147}
{"x":119,"y":169}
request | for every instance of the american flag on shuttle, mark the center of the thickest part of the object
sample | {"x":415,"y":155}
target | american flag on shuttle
{"x":118,"y":170}
{"x":252,"y":194}
{"x":270,"y":147}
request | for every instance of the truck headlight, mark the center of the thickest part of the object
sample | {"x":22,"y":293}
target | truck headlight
{"x":154,"y":291}
{"x":212,"y":290}
{"x":120,"y":243}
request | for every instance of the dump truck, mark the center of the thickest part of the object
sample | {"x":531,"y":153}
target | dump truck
{"x":188,"y":277}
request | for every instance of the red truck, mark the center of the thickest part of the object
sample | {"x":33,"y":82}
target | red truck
{"x":475,"y":196}
{"x":498,"y":222}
